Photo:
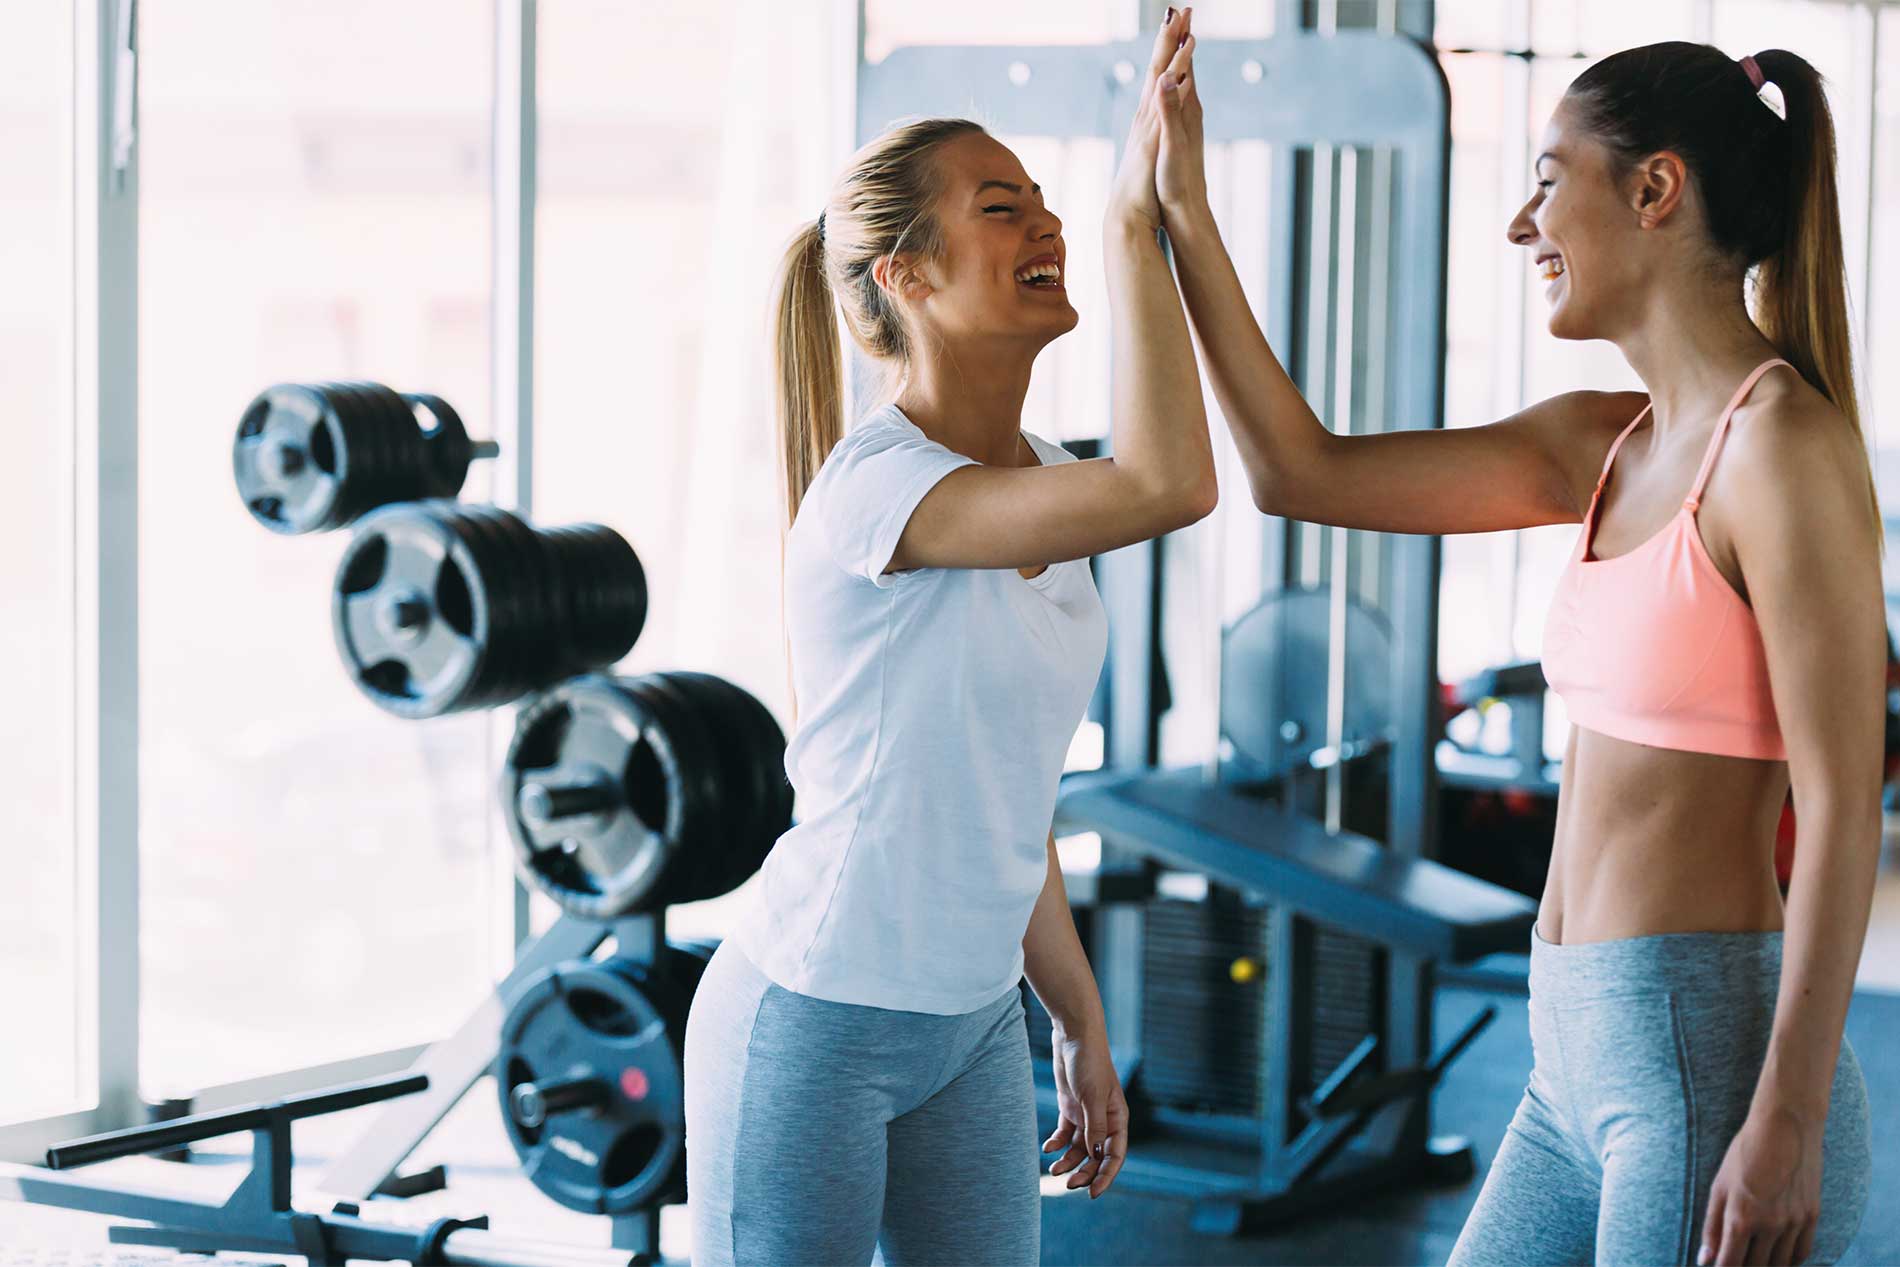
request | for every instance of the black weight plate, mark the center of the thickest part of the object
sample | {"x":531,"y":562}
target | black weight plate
{"x":742,"y":792}
{"x":755,"y":747}
{"x":540,"y":600}
{"x":506,"y":587}
{"x":365,"y":442}
{"x":437,"y":666}
{"x":706,"y":701}
{"x":605,"y":586}
{"x":446,"y":447}
{"x":288,"y":415}
{"x":611,"y":1022}
{"x":586,"y":728}
{"x":702,"y":783}
{"x":408,"y":462}
{"x":688,"y":786}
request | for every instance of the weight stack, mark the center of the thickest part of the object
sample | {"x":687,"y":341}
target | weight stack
{"x":1208,"y":1034}
{"x":1202,"y":1031}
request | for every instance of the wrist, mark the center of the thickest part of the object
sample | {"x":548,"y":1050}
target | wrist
{"x":1125,"y":227}
{"x":1079,"y":1030}
{"x":1773,"y":1102}
{"x":1190,"y":223}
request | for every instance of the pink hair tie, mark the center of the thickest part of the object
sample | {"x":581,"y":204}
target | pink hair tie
{"x":1755,"y":76}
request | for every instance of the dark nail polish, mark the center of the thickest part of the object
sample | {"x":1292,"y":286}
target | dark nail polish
{"x":1170,"y":16}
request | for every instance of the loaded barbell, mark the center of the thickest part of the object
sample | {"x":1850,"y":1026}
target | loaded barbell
{"x":440,"y":606}
{"x":310,"y":457}
{"x":627,"y":794}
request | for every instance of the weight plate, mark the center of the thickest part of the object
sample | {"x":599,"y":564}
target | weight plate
{"x":289,"y":466}
{"x":696,"y":783}
{"x":368,"y":441}
{"x":1274,"y":677}
{"x":409,"y":612}
{"x":607,"y":1040}
{"x":591,"y":790}
{"x":445,"y":444}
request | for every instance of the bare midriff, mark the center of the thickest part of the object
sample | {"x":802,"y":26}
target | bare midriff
{"x":1655,"y":840}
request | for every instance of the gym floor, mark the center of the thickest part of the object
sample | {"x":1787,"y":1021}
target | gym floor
{"x":1414,"y":1227}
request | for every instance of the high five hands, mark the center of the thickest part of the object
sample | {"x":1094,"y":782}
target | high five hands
{"x":1162,"y":176}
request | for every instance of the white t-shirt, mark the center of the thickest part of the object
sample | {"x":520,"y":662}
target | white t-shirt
{"x":935,"y":708}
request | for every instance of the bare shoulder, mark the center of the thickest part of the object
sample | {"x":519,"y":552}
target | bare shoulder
{"x":1788,"y":439}
{"x":1792,"y":481}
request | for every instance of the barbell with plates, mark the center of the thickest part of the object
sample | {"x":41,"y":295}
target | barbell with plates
{"x":310,"y":457}
{"x":440,"y":606}
{"x":590,"y":1072}
{"x":629,"y":794}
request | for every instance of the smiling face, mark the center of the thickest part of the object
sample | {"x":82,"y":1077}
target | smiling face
{"x":1001,"y":269}
{"x":1585,"y":229}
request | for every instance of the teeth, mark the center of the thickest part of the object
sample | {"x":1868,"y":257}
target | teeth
{"x":1552,"y":269}
{"x":1036,"y":272}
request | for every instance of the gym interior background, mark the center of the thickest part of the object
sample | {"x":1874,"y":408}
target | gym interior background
{"x":230,"y":878}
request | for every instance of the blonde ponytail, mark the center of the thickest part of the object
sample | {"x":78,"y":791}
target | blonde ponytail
{"x":808,"y":363}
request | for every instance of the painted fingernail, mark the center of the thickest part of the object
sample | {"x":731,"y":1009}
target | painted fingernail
{"x":1170,"y":17}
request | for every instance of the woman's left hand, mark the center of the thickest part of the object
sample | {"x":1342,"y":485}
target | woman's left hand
{"x":1094,"y":1125}
{"x":1767,"y":1197}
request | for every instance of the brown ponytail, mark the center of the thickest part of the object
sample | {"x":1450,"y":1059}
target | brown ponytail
{"x":1801,"y":289}
{"x":1767,"y":185}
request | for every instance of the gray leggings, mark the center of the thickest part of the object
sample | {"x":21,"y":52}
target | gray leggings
{"x":817,"y":1132}
{"x":1645,"y":1053}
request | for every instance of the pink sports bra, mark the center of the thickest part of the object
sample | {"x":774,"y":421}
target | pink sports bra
{"x":1655,"y":646}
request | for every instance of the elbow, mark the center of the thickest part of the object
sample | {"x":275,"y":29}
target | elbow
{"x":1191,"y":503}
{"x":1268,"y":497}
{"x":1201,"y":499}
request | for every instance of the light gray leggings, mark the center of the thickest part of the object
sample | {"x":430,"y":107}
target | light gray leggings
{"x":817,"y":1132}
{"x":1645,"y":1053}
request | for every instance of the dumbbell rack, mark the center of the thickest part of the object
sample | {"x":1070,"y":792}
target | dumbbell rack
{"x":258,"y":1216}
{"x":457,"y":1062}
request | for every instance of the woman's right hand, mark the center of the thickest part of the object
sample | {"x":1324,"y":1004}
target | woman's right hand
{"x":1180,"y":164}
{"x":1133,"y":196}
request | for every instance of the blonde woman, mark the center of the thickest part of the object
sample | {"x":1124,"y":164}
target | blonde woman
{"x":857,"y":1064}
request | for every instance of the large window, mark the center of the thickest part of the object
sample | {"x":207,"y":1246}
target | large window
{"x":39,"y":944}
{"x":314,"y":205}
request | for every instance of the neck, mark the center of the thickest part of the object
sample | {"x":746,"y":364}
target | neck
{"x":968,"y":397}
{"x":1692,"y":346}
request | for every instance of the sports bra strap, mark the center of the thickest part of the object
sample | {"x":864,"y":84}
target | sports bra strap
{"x":1694,"y":499}
{"x":1617,"y":444}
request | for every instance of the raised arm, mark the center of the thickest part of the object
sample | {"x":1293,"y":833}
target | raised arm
{"x":1160,"y":476}
{"x":1533,"y":467}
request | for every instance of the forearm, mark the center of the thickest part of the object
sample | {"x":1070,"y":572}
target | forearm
{"x":1158,"y":419}
{"x":1273,"y":426}
{"x":1829,"y":897}
{"x":1053,"y":960}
